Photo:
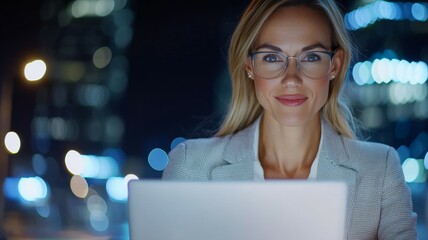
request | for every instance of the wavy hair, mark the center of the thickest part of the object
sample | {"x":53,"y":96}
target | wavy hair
{"x":244,"y":107}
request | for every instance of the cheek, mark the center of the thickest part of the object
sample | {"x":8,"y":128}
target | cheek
{"x":262,"y":88}
{"x":321,"y":89}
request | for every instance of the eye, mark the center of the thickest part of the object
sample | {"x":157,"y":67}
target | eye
{"x":311,"y":57}
{"x":272,"y":58}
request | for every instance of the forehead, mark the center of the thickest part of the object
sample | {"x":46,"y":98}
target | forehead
{"x":294,"y":27}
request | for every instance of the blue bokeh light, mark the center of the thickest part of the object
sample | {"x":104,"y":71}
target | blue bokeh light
{"x":177,"y":141}
{"x":158,"y":159}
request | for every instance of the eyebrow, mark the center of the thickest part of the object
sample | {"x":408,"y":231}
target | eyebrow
{"x":277,"y":49}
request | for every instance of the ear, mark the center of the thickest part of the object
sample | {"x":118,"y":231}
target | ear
{"x":248,"y":67}
{"x":337,"y":62}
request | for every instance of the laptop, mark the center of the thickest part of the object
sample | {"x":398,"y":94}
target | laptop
{"x":276,"y":209}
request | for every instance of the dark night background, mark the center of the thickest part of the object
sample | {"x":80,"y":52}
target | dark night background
{"x":178,"y":86}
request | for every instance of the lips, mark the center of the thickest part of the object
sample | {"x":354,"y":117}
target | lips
{"x":292,"y":100}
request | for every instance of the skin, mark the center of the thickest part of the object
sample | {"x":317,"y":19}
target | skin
{"x":290,"y":130}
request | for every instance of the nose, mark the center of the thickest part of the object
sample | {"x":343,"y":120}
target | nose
{"x":291,"y":76}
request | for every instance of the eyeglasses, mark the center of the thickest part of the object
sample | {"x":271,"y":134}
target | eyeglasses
{"x":270,"y":64}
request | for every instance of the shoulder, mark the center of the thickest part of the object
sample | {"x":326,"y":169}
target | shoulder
{"x":370,"y":155}
{"x":365,"y":148}
{"x":205,"y":146}
{"x":193,"y":158}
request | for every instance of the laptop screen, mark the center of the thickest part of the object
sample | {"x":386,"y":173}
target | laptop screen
{"x":286,"y":209}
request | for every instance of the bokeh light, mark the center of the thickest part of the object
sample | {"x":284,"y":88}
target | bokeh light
{"x":176,"y":141}
{"x":378,"y":10}
{"x":414,"y":170}
{"x":426,"y":161}
{"x":91,"y":8}
{"x":33,"y":189}
{"x":79,"y":187}
{"x":420,"y":12}
{"x":74,"y":162}
{"x":35,"y":70}
{"x":39,"y":164}
{"x":102,"y":57}
{"x":12,"y":142}
{"x":117,"y":189}
{"x":386,"y":70}
{"x":158,"y":159}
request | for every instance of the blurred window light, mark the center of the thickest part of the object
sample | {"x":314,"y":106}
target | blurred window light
{"x":95,"y":203}
{"x":91,"y":8}
{"x":123,"y":17}
{"x":10,"y":188}
{"x":69,"y":71}
{"x":123,"y":36}
{"x":116,"y":153}
{"x":372,"y":117}
{"x":378,"y":10}
{"x":403,"y":152}
{"x":40,"y":127}
{"x":58,"y":128}
{"x":176,"y":141}
{"x":420,"y":12}
{"x":104,"y":7}
{"x":39,"y":164}
{"x":158,"y":159}
{"x":35,"y":70}
{"x":33,"y":189}
{"x":93,"y":95}
{"x":117,"y":189}
{"x":421,"y":110}
{"x":79,"y":186}
{"x":399,"y":93}
{"x":99,"y":221}
{"x":102,"y":57}
{"x":414,"y":171}
{"x":371,"y":95}
{"x":385,"y":70}
{"x":117,"y":81}
{"x":426,"y":161}
{"x":119,"y":4}
{"x":130,"y":177}
{"x":99,"y":167}
{"x":12,"y":142}
{"x":114,"y":129}
{"x":362,"y":73}
{"x":74,"y":162}
{"x":388,"y":10}
{"x":43,"y":210}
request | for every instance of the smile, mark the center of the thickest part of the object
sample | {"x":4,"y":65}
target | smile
{"x":292,"y":100}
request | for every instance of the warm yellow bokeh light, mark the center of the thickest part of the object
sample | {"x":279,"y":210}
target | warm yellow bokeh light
{"x":35,"y":70}
{"x":12,"y":142}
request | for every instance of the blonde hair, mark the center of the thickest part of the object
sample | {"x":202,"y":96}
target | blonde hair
{"x":244,"y":107}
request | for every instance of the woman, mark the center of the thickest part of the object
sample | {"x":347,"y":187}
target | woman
{"x":287,"y":118}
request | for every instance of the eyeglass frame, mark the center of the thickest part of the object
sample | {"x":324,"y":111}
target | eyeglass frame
{"x":286,"y":57}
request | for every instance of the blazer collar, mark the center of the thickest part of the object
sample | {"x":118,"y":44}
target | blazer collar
{"x":333,"y":162}
{"x":336,"y":165}
{"x":239,"y":156}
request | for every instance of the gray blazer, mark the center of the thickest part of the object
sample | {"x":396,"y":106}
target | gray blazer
{"x":379,"y":201}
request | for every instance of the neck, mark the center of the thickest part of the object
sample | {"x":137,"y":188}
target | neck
{"x":288,"y":151}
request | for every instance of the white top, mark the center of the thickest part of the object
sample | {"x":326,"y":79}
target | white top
{"x":258,"y":169}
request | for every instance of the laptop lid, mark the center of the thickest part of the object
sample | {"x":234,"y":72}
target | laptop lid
{"x":292,"y":209}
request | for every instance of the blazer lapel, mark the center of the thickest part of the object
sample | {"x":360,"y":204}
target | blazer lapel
{"x":238,"y":157}
{"x":334,"y":165}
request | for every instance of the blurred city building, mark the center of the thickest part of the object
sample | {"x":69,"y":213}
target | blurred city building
{"x":125,"y":81}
